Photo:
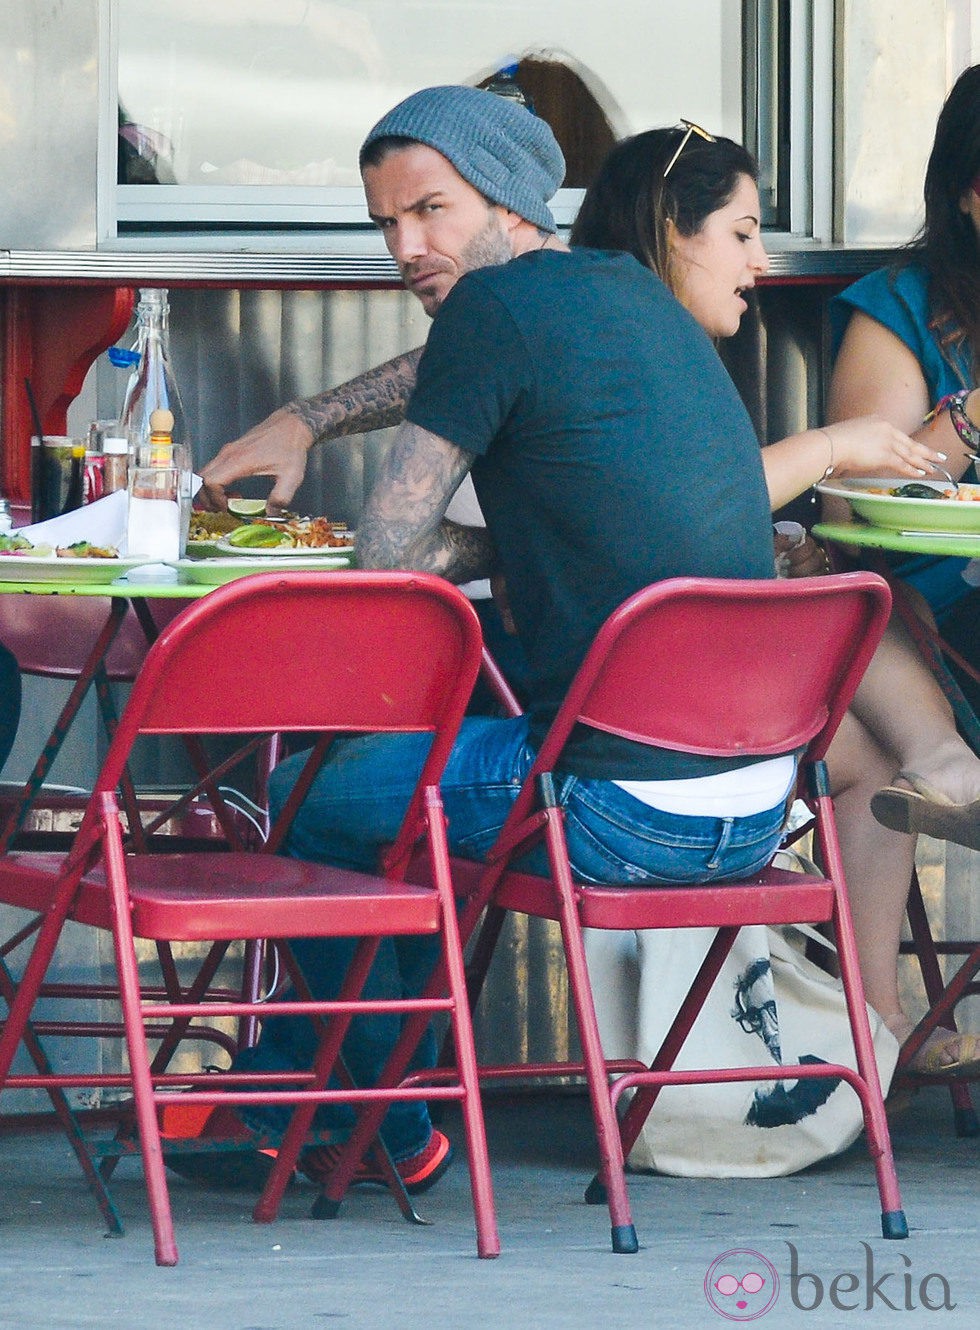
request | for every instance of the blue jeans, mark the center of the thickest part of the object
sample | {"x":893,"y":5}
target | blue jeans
{"x":355,"y":806}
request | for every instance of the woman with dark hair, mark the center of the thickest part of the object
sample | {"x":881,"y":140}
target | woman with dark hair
{"x":908,"y":339}
{"x":686,"y":204}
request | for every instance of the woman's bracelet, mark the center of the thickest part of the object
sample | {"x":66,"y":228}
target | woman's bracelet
{"x":829,"y":469}
{"x":967,"y":431}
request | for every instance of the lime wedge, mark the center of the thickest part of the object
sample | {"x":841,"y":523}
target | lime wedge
{"x":246,"y":507}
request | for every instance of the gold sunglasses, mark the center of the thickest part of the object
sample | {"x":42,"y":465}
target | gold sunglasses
{"x":690,"y":128}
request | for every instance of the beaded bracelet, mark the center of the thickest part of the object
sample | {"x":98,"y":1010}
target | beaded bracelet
{"x":967,"y":430}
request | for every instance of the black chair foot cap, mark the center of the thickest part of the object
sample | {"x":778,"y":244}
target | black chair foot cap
{"x":595,"y":1192}
{"x":324,"y":1208}
{"x":965,"y":1122}
{"x":624,"y":1241}
{"x":893,"y":1224}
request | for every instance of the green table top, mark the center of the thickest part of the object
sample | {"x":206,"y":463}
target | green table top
{"x":122,"y":588}
{"x":906,"y":542}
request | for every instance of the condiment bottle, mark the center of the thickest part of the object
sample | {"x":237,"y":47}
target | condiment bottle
{"x":115,"y":467}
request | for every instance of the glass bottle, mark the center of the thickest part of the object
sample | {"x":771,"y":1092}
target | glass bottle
{"x":152,"y":383}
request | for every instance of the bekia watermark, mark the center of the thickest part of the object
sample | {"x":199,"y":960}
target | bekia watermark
{"x":743,"y":1285}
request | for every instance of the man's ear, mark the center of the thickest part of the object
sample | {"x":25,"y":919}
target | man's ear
{"x":511,"y":220}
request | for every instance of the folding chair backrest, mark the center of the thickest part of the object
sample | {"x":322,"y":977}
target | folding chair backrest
{"x":60,"y":652}
{"x":722,"y":667}
{"x":308,"y":652}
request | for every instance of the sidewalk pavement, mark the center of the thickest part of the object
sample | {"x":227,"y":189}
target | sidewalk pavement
{"x":369,"y":1269}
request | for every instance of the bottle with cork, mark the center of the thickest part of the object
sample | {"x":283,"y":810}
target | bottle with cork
{"x":152,"y":383}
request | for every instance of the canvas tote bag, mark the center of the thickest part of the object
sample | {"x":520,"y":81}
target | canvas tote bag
{"x":769,"y":1004}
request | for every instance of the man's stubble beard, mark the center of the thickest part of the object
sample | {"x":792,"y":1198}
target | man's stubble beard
{"x":487,"y":249}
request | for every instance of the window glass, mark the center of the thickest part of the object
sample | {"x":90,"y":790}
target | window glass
{"x":245,"y":92}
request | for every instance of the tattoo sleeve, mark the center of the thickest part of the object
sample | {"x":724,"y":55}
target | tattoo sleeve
{"x":403,"y":526}
{"x":374,"y":400}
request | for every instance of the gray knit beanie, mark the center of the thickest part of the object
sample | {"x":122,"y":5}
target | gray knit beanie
{"x":505,"y":151}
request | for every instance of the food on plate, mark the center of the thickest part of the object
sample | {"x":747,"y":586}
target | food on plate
{"x":84,"y":549}
{"x":246,"y":507}
{"x":917,"y":490}
{"x":15,"y":545}
{"x":81,"y":549}
{"x":255,"y":535}
{"x":310,"y":533}
{"x":206,"y":526}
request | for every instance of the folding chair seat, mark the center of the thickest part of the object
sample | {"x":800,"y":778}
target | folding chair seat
{"x":313,"y":653}
{"x":722,"y":668}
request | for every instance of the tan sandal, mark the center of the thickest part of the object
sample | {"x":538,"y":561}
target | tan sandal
{"x":944,"y":1053}
{"x":924,"y":810}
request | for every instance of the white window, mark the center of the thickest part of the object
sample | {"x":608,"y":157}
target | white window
{"x":247,"y":115}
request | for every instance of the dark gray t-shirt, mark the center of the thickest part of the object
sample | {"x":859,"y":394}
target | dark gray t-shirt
{"x":612,"y":451}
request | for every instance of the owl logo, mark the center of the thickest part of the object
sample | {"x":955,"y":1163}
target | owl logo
{"x":741,"y":1285}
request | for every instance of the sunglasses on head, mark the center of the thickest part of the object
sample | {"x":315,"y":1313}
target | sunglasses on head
{"x":689,"y":128}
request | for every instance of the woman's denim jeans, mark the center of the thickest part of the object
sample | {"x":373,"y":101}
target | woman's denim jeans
{"x":355,"y":806}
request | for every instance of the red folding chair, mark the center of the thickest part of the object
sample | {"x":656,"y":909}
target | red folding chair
{"x":721,"y":668}
{"x":100,"y":641}
{"x":315,"y":653}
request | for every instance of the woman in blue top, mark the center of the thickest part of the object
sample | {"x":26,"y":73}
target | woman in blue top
{"x":909,"y":340}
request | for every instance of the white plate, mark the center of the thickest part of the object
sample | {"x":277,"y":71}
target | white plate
{"x":284,"y":551}
{"x":49,"y":568}
{"x":897,"y":513}
{"x":215,"y":572}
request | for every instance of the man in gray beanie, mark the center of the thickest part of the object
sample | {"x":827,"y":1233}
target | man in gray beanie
{"x":550,"y":374}
{"x":513,"y":160}
{"x":479,"y":170}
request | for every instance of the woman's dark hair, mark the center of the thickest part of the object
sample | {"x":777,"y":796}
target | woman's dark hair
{"x":947,"y":245}
{"x":629,"y":203}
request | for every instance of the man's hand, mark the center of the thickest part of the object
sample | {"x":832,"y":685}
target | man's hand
{"x":277,"y":446}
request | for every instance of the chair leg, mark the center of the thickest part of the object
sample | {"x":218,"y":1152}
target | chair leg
{"x":612,"y":1168}
{"x":129,"y":992}
{"x":893,"y":1221}
{"x":478,"y":1159}
{"x":965,"y":1122}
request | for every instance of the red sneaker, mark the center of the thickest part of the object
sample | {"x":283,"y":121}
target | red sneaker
{"x":419,"y":1172}
{"x":244,"y":1169}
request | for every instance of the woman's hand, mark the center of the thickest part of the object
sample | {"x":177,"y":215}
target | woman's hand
{"x":872,"y":446}
{"x":867,"y":446}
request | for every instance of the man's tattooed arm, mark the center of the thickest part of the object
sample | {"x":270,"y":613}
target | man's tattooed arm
{"x":403,"y":526}
{"x":374,"y":400}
